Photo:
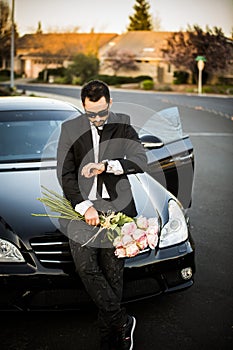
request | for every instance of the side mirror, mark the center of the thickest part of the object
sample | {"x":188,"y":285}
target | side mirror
{"x":151,"y":142}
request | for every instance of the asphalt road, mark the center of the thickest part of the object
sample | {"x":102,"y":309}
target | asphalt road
{"x":196,"y":319}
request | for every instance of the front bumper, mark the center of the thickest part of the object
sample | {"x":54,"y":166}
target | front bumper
{"x":29,"y":287}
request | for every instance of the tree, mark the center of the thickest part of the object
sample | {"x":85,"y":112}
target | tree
{"x":183,"y":48}
{"x":141,"y":20}
{"x":5,"y":34}
{"x":117,"y":59}
{"x":39,"y":28}
{"x":83,"y":67}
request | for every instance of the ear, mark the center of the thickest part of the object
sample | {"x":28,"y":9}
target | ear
{"x":110,"y":103}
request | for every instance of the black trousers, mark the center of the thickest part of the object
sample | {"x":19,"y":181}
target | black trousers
{"x":102,"y":275}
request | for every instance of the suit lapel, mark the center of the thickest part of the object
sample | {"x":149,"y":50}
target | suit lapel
{"x":86,"y":140}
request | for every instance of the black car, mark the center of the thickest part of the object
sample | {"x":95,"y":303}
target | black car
{"x":36,"y":267}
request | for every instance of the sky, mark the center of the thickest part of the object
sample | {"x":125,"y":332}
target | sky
{"x":112,"y":16}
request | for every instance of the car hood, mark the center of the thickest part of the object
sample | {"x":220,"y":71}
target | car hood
{"x":21,"y":186}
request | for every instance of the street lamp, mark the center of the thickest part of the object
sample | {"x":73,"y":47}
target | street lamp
{"x":12,"y":43}
{"x":200,"y":65}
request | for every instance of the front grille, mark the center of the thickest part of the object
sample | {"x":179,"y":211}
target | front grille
{"x":52,"y":251}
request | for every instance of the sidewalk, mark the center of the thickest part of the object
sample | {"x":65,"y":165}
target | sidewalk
{"x":75,"y":101}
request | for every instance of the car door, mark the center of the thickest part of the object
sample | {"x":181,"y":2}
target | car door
{"x":170,"y":153}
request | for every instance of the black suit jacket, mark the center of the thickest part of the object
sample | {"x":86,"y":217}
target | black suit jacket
{"x":119,"y":141}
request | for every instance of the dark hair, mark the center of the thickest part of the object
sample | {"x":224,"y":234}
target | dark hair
{"x":94,"y":90}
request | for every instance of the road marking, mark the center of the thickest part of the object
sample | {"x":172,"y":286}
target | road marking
{"x":210,"y":134}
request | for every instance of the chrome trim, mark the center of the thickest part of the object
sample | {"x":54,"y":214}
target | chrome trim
{"x":152,"y":144}
{"x":48,"y":252}
{"x":184,"y":158}
{"x":29,"y":164}
{"x":55,"y":261}
{"x":48,"y":243}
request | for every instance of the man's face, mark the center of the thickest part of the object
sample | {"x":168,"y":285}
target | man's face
{"x":93,"y":108}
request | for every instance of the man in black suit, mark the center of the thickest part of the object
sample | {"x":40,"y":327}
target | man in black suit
{"x":96,"y":152}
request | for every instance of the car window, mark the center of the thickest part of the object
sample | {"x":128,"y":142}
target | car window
{"x":23,"y":135}
{"x":164,"y":124}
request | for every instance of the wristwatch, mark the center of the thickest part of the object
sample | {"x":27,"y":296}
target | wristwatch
{"x":105,"y":162}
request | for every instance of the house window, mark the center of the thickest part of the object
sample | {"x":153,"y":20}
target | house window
{"x":169,"y":68}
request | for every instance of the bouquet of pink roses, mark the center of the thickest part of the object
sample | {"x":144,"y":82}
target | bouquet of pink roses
{"x":128,"y":235}
{"x":136,"y":236}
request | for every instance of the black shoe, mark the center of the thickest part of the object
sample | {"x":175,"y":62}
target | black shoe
{"x":125,"y":334}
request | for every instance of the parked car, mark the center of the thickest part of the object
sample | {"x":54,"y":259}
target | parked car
{"x":36,"y":267}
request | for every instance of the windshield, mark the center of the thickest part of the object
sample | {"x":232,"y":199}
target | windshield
{"x":24,"y":134}
{"x":33,"y":134}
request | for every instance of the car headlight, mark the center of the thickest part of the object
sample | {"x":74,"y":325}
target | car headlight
{"x":9,"y":252}
{"x":175,"y":230}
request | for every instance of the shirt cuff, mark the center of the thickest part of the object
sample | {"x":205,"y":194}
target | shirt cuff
{"x":114,"y":167}
{"x":82,"y":207}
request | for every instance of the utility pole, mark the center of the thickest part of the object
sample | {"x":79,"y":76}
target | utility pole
{"x":12,"y":43}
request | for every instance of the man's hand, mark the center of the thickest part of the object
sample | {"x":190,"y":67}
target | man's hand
{"x":92,"y":169}
{"x":92,"y":217}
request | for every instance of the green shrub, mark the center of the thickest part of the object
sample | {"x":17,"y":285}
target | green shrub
{"x":147,"y":84}
{"x":225,"y":80}
{"x":118,"y":80}
{"x":181,"y":77}
{"x":56,"y":72}
{"x":5,"y":73}
{"x":61,"y":80}
{"x":77,"y":81}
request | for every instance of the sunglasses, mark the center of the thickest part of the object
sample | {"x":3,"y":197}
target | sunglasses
{"x":101,"y":114}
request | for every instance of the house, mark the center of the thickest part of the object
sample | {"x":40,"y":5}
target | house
{"x":36,"y":52}
{"x":146,"y":47}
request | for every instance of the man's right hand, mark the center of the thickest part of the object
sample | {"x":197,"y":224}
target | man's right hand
{"x":92,"y":169}
{"x":92,"y":217}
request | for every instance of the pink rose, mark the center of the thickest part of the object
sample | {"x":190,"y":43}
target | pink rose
{"x":142,"y":242}
{"x":128,"y":228}
{"x":142,"y":222}
{"x":117,"y":242}
{"x":131,"y":249}
{"x":140,"y":238}
{"x":138,"y":233}
{"x":126,"y":239}
{"x":152,"y":230}
{"x":120,"y":252}
{"x":153,"y":222}
{"x":152,"y":240}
